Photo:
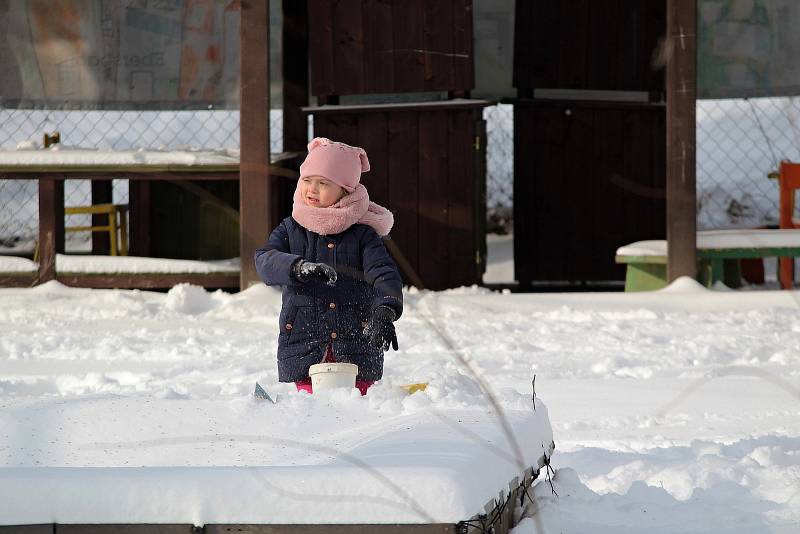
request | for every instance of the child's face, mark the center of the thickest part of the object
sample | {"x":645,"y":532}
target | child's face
{"x":319,"y":192}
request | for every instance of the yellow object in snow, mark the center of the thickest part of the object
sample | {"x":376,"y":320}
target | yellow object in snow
{"x":413,"y":388}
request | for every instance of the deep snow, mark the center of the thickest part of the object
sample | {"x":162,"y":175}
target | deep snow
{"x":675,"y":410}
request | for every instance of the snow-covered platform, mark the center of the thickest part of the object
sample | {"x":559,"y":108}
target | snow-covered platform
{"x":324,"y":459}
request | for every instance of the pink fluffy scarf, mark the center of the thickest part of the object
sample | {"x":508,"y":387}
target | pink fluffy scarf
{"x":353,"y":208}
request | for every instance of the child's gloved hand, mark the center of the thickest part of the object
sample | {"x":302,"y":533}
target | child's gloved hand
{"x":380,"y":330}
{"x":306,"y":271}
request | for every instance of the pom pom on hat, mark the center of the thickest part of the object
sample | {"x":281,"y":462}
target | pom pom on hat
{"x":338,"y":162}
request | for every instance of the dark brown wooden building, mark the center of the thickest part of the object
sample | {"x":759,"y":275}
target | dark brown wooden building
{"x":427,"y":153}
{"x":589,"y":136}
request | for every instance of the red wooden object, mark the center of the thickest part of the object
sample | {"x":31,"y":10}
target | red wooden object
{"x":789,"y":179}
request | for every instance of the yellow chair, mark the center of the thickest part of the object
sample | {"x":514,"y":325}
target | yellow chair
{"x":117,"y":223}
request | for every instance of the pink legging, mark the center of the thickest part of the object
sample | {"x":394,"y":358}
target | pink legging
{"x":305,"y":384}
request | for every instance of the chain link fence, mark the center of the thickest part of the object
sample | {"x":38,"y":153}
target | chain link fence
{"x":173,"y":130}
{"x":739,"y":142}
{"x":22,"y":129}
{"x":499,"y":167}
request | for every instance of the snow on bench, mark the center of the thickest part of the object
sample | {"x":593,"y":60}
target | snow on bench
{"x":720,"y":239}
{"x":646,"y":260}
{"x":328,"y":458}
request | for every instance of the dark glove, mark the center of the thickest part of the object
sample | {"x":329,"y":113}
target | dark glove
{"x":380,"y":330}
{"x":306,"y":271}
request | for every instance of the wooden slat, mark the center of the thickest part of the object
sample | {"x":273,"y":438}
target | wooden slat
{"x":658,"y":172}
{"x":573,"y":45}
{"x":254,"y":185}
{"x":401,"y":106}
{"x":147,"y":281}
{"x":124,"y":529}
{"x":348,"y":42}
{"x":573,"y":198}
{"x":606,"y":31}
{"x":525,"y":230}
{"x":139,"y":217}
{"x":373,"y":136}
{"x":295,"y":84}
{"x":51,"y":226}
{"x":461,"y":199}
{"x":681,"y":138}
{"x":344,"y":128}
{"x":409,"y":66}
{"x":434,"y":251}
{"x":378,"y":46}
{"x":18,"y":280}
{"x":607,"y":190}
{"x":321,"y":47}
{"x":26,"y":529}
{"x":403,"y":168}
{"x":102,"y":193}
{"x":434,"y":528}
{"x":535,"y":44}
{"x":552,"y":142}
{"x":655,"y":29}
{"x":437,"y":41}
{"x":463,"y":64}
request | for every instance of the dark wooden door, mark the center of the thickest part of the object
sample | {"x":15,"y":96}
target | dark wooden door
{"x":589,"y":178}
{"x":427,"y":168}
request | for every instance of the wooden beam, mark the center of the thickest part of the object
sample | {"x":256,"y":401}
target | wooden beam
{"x":295,"y":75}
{"x":102,"y":193}
{"x":681,"y":142}
{"x":148,"y":280}
{"x":139,"y":217}
{"x":254,"y":193}
{"x":51,"y":226}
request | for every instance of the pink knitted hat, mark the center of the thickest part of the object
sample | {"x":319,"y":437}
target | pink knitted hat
{"x":338,"y":162}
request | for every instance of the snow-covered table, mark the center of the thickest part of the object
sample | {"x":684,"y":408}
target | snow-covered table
{"x":718,"y":252}
{"x":54,"y":165}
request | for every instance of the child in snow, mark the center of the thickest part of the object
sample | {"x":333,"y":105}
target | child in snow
{"x":341,"y":290}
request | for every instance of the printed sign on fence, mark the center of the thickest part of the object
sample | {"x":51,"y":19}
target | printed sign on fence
{"x":142,"y":52}
{"x":748,"y":48}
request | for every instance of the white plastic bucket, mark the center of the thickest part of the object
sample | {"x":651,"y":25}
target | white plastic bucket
{"x":333,"y":375}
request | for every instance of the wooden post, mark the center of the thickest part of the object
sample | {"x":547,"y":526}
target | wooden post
{"x":139,"y":217}
{"x":295,"y":97}
{"x":681,"y":143}
{"x":254,"y":191}
{"x":295,"y":75}
{"x":102,"y":193}
{"x":51,"y":226}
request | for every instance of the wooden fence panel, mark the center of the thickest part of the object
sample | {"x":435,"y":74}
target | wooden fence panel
{"x":369,"y":46}
{"x":403,"y":165}
{"x":589,"y":44}
{"x":589,"y":178}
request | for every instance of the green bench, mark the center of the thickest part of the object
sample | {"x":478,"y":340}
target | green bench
{"x":718,"y":255}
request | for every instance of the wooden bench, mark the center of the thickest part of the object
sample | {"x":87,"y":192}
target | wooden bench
{"x":718,"y":255}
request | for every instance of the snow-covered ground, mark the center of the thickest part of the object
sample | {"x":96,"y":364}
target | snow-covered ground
{"x":672,"y":411}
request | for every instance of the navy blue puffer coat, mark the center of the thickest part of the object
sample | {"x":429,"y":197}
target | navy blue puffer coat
{"x":315,"y":314}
